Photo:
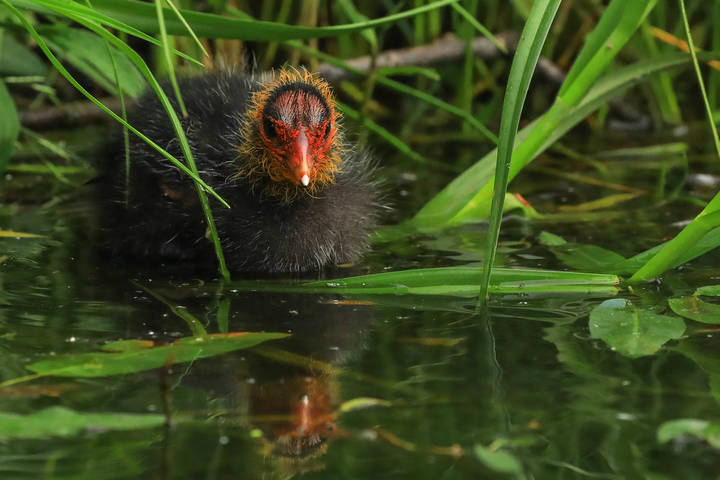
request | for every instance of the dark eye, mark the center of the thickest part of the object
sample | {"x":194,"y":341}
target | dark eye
{"x":327,"y":130}
{"x":269,"y":128}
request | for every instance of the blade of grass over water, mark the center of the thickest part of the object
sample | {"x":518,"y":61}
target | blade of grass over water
{"x":141,"y":16}
{"x":619,"y":21}
{"x":709,"y":217}
{"x":526,"y":56}
{"x":63,"y":71}
{"x":444,"y":205}
{"x":460,"y":201}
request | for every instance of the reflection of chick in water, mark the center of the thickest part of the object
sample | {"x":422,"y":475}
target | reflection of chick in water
{"x":285,"y":391}
{"x":296,"y":415}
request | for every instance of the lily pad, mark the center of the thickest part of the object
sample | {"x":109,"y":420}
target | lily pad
{"x":633,"y":331}
{"x":63,"y":422}
{"x":696,"y":309}
{"x":132,"y":357}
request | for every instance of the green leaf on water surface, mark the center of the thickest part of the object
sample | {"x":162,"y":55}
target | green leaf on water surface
{"x":696,"y":309}
{"x":590,"y":258}
{"x":710,"y":432}
{"x":362,"y":403}
{"x":631,"y":330}
{"x":709,"y":290}
{"x":63,"y":422}
{"x":133,"y":358}
{"x":465,"y":281}
{"x":9,"y":125}
{"x":88,"y":53}
{"x":497,"y":460}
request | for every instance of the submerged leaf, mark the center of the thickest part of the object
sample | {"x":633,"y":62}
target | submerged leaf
{"x":696,"y":309}
{"x":63,"y":422}
{"x":710,"y":432}
{"x":131,"y":359}
{"x":582,"y":257}
{"x":631,"y":330}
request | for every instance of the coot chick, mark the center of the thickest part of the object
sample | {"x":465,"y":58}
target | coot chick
{"x":300,"y":197}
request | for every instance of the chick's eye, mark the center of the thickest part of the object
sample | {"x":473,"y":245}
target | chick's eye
{"x":269,"y":128}
{"x":327,"y":131}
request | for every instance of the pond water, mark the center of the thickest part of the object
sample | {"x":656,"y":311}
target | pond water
{"x":402,"y":386}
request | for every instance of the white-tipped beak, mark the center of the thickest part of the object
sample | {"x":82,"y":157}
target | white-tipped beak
{"x":305,"y":180}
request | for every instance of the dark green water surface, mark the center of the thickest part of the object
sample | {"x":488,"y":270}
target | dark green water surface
{"x":364,"y":387}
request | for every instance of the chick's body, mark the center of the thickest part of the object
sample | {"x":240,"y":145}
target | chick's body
{"x":273,"y":225}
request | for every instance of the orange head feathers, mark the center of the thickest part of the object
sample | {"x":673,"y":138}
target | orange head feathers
{"x":290,"y":136}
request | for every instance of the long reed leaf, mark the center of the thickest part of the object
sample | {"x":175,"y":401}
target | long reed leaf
{"x":526,"y":56}
{"x":709,"y":218}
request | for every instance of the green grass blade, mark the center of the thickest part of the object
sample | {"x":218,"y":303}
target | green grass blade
{"x":526,"y":56}
{"x":618,"y":23}
{"x":479,"y":27}
{"x":165,"y":44}
{"x":709,"y":217}
{"x":74,"y":9}
{"x":452,"y":281}
{"x":180,"y":17}
{"x":141,"y":16}
{"x":448,"y":202}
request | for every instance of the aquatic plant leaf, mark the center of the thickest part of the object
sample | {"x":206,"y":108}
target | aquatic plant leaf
{"x":590,"y":258}
{"x":696,"y":309}
{"x":525,"y":59}
{"x":497,"y":460}
{"x":631,"y":330}
{"x":63,"y":422}
{"x":710,"y":432}
{"x":9,"y":125}
{"x":141,"y":16}
{"x":452,"y":281}
{"x":17,"y":59}
{"x":709,"y":290}
{"x":447,"y":203}
{"x":132,"y":360}
{"x":88,"y":53}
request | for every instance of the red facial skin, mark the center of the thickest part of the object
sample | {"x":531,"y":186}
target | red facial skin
{"x":297,"y":138}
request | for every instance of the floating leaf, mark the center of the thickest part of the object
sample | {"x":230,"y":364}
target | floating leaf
{"x":710,"y":432}
{"x":133,"y":359}
{"x":498,"y":460}
{"x":696,"y":309}
{"x":579,"y":256}
{"x":633,"y":331}
{"x":63,"y":422}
